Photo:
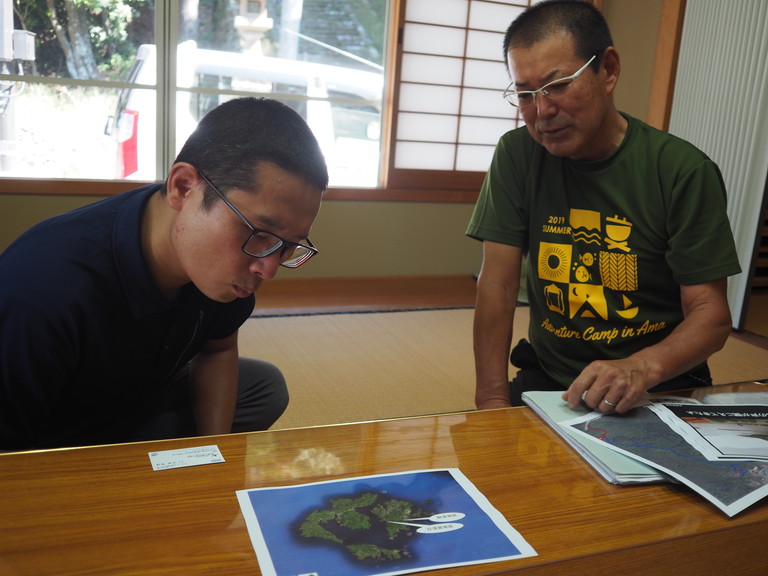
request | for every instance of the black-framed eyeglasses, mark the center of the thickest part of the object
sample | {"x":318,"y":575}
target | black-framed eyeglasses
{"x":262,"y":243}
{"x":553,"y":90}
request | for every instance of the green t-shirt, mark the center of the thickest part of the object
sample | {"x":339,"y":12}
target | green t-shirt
{"x":609,"y":242}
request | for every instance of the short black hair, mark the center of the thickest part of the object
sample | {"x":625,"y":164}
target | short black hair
{"x":578,"y":18}
{"x":235,"y":138}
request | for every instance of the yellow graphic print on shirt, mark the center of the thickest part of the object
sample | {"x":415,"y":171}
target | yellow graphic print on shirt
{"x":600,"y":257}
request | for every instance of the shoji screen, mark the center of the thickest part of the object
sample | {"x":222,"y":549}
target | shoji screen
{"x":450,"y":113}
{"x":721,"y":105}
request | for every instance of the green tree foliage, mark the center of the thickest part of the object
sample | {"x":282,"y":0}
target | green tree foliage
{"x":217,"y":25}
{"x":85,"y":39}
{"x":355,"y":26}
{"x":97,"y":39}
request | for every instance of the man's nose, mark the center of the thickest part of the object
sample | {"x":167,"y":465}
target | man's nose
{"x":267,"y":266}
{"x":544,"y":106}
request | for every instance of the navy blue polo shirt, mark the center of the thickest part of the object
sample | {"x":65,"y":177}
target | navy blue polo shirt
{"x":86,"y":337}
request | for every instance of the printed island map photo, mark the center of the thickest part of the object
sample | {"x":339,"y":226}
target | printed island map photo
{"x":377,"y":525}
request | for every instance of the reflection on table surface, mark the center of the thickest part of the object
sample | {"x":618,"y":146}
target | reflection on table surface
{"x":103,"y":510}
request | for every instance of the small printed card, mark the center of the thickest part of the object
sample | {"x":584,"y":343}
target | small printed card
{"x":166,"y":459}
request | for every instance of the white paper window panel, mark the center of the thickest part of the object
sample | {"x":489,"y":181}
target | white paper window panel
{"x":483,"y":130}
{"x":477,"y":102}
{"x":425,"y":156}
{"x":445,"y":12}
{"x":474,"y":158}
{"x":428,"y":98}
{"x":485,"y":74}
{"x":494,"y":16}
{"x":439,"y":40}
{"x":485,"y":45}
{"x":431,"y":70}
{"x":427,"y":127}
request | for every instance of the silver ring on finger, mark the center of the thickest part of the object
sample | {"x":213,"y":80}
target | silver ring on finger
{"x":611,"y":404}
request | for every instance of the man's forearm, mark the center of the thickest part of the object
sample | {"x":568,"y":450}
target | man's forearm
{"x":214,"y":387}
{"x":497,"y":287}
{"x":691,"y":343}
{"x":703,"y":331}
{"x":492,"y":337}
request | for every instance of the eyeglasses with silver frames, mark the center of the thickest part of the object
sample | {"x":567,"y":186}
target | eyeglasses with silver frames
{"x":262,"y":243}
{"x":553,"y":90}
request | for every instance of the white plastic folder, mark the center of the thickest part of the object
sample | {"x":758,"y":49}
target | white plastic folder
{"x":614,"y":467}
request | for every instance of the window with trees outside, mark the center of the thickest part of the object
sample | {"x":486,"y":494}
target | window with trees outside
{"x":404,"y":96}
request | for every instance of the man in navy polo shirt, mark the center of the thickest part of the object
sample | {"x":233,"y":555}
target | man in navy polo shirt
{"x":119,"y":320}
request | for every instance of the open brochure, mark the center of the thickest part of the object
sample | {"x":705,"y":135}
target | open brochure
{"x":614,"y":466}
{"x":720,"y":431}
{"x":641,"y":434}
{"x":377,"y":525}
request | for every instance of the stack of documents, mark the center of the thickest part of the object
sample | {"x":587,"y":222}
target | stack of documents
{"x":718,"y":450}
{"x":614,"y":467}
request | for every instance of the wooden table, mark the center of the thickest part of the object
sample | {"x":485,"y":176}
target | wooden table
{"x":103,"y":510}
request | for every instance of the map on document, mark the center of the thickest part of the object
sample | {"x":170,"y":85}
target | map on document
{"x":720,"y":431}
{"x":377,"y":525}
{"x":730,"y":485}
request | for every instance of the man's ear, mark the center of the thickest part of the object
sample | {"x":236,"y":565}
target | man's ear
{"x":612,"y":65}
{"x":182,"y":178}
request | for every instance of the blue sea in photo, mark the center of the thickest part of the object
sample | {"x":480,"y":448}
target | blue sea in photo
{"x":280,"y":511}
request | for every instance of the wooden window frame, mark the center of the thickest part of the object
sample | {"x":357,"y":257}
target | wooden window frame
{"x":409,"y":185}
{"x":665,"y":64}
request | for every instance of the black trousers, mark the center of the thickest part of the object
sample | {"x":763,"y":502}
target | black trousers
{"x":262,"y":399}
{"x":531,"y":376}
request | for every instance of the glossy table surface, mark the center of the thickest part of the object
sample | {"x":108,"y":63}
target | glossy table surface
{"x":103,"y":510}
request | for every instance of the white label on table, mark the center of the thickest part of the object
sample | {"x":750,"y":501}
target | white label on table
{"x":166,"y":459}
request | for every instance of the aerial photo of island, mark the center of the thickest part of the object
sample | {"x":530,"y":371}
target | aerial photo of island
{"x":371,"y":527}
{"x":377,"y":525}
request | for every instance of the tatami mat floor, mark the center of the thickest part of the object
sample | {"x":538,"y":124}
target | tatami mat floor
{"x":290,"y":297}
{"x":327,"y":338}
{"x":287,"y":296}
{"x":757,"y":314}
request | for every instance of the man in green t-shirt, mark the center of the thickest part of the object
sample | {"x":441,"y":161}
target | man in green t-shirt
{"x":625,"y":230}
